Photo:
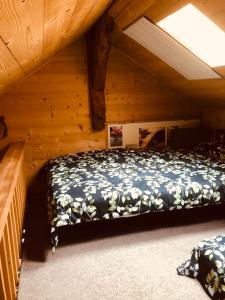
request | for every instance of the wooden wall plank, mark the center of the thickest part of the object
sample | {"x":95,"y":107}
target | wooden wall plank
{"x":214,"y":117}
{"x":53,"y":108}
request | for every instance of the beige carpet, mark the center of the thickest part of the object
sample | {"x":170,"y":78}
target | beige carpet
{"x":106,"y":261}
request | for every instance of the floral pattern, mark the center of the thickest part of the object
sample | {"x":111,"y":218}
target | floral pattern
{"x":207,"y":263}
{"x":215,"y":147}
{"x":110,"y":184}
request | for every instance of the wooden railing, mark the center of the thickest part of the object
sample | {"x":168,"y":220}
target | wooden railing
{"x":12,"y":205}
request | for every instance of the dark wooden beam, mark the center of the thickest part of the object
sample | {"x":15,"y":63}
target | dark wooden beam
{"x":98,"y":49}
{"x":3,"y":128}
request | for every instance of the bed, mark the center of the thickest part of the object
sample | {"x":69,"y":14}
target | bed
{"x":110,"y":184}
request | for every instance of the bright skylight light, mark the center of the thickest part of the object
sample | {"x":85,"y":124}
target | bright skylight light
{"x":197,"y":33}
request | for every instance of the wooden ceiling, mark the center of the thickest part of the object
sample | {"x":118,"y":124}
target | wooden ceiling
{"x":33,"y":30}
{"x":125,"y":12}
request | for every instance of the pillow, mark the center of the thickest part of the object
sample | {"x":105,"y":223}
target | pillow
{"x":188,"y":137}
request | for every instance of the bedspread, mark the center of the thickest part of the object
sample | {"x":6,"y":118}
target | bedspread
{"x":110,"y":184}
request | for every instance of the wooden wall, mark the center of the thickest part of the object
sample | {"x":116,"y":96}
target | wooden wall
{"x":214,"y":117}
{"x":50,"y":110}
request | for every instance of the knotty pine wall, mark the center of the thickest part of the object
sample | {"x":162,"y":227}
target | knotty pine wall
{"x":50,"y":110}
{"x":214,"y":117}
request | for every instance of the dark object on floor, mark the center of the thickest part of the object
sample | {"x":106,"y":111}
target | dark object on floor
{"x":207,"y":263}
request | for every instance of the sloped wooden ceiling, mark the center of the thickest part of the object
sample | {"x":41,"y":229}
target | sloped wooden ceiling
{"x":125,"y":12}
{"x":33,"y":30}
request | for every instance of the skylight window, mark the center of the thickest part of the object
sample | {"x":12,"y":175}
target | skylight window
{"x":197,"y":33}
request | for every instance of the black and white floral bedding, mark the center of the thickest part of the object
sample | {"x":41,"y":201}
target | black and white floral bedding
{"x":119,"y":183}
{"x":215,"y":147}
{"x":207,"y":263}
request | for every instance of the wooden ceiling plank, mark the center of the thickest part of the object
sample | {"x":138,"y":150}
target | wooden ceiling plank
{"x":74,"y":18}
{"x":57,"y":21}
{"x":34,"y":30}
{"x":88,"y":15}
{"x":134,"y":10}
{"x":117,"y":7}
{"x":220,"y":70}
{"x":21,"y":27}
{"x":163,"y":8}
{"x":215,"y":10}
{"x":9,"y":67}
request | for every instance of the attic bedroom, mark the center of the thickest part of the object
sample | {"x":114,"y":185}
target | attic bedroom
{"x":112,"y":149}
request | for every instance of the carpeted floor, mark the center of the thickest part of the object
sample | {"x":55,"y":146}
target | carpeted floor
{"x":130,"y":259}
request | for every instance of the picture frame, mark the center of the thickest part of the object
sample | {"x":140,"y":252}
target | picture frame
{"x":115,"y":136}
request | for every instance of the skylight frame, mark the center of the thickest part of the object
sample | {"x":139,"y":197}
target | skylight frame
{"x":189,"y":26}
{"x":161,"y":44}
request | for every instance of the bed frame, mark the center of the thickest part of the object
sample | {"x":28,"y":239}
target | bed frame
{"x":12,"y":205}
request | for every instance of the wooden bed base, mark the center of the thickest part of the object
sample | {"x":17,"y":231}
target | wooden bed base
{"x":12,"y":206}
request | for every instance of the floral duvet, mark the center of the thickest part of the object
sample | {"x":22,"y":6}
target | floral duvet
{"x":207,"y":263}
{"x":110,"y":184}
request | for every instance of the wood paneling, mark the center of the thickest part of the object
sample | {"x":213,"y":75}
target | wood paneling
{"x":131,"y":12}
{"x":9,"y":68}
{"x":204,"y":92}
{"x":50,"y":109}
{"x":214,"y":117}
{"x":31,"y":31}
{"x":125,"y":12}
